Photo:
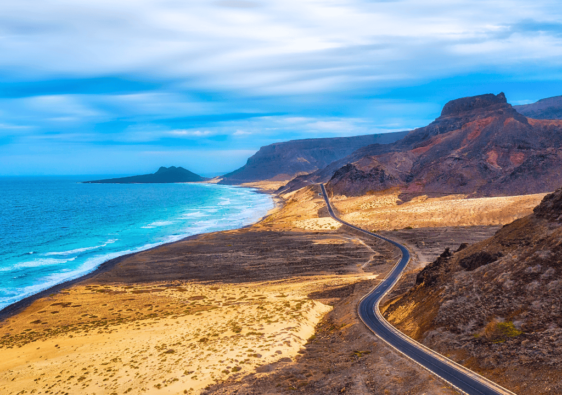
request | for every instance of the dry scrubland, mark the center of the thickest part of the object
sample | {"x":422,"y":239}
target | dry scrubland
{"x":385,"y":211}
{"x":267,"y":309}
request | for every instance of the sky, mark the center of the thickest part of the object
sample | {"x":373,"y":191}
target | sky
{"x":126,"y":86}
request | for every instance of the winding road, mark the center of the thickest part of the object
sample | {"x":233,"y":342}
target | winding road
{"x":463,"y":379}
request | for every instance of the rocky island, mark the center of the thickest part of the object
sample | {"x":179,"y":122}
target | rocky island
{"x":164,"y":175}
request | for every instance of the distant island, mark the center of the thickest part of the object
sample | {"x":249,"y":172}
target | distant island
{"x":164,"y":175}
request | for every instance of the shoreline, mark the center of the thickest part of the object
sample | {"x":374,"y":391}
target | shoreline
{"x":20,"y":305}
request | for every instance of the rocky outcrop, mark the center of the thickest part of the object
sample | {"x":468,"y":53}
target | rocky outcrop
{"x":164,"y":175}
{"x":283,"y":161}
{"x":496,"y":304}
{"x":478,"y":259}
{"x":469,"y":104}
{"x":430,"y":273}
{"x":550,"y":108}
{"x":479,"y":146}
{"x":550,"y":207}
{"x":351,"y":180}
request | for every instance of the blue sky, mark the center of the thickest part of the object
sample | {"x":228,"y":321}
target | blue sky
{"x":123,"y":87}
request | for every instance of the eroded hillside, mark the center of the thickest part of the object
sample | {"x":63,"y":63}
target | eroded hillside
{"x":495,"y":306}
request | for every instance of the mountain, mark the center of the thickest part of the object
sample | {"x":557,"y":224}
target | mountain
{"x":550,"y":108}
{"x":283,"y":161}
{"x":496,"y":304}
{"x":163,"y":175}
{"x":479,"y":146}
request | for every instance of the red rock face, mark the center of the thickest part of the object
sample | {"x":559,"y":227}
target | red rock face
{"x":479,"y":146}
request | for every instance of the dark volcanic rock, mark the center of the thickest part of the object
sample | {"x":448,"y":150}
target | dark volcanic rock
{"x":162,"y":176}
{"x":458,"y":106}
{"x":550,"y":207}
{"x":550,"y":108}
{"x":479,"y":146}
{"x":283,"y":161}
{"x":350,"y":179}
{"x":430,"y":273}
{"x":479,"y":259}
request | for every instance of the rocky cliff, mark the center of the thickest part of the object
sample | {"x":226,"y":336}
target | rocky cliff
{"x":496,"y":306}
{"x":479,"y":146}
{"x":163,"y":175}
{"x":283,"y":161}
{"x":550,"y":108}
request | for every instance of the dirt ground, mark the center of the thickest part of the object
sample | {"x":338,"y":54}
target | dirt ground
{"x":265,"y":309}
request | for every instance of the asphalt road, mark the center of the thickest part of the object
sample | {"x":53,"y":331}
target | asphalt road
{"x":461,"y":378}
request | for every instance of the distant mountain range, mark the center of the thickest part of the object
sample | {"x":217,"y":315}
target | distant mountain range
{"x":550,"y":108}
{"x":480,"y":146}
{"x":163,"y":175}
{"x":283,"y":161}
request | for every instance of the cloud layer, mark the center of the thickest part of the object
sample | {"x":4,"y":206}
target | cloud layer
{"x":232,"y":75}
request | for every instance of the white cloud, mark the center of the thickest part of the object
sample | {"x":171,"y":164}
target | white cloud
{"x":190,"y":133}
{"x":241,"y":133}
{"x":274,"y":47}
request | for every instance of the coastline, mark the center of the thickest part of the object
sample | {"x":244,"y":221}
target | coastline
{"x":20,"y":305}
{"x":237,"y":308}
{"x":227,"y":312}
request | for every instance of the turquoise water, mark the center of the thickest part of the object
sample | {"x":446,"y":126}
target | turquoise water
{"x":57,"y":229}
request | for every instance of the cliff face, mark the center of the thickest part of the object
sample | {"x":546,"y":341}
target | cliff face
{"x":362,"y":177}
{"x":162,"y":176}
{"x":550,"y":108}
{"x":495,"y":304}
{"x":283,"y":161}
{"x":479,"y":146}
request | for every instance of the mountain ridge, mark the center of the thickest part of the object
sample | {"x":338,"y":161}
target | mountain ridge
{"x":285,"y":160}
{"x":549,"y":108}
{"x":479,"y":146}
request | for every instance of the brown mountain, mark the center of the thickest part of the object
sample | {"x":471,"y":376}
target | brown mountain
{"x":496,"y":305}
{"x":550,"y":108}
{"x":283,"y":161}
{"x":480,"y":146}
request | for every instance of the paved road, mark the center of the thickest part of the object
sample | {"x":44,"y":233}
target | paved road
{"x":461,"y":378}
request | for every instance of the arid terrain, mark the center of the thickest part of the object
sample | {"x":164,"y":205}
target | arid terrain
{"x":385,"y":210}
{"x":265,"y":309}
{"x":494,"y":306}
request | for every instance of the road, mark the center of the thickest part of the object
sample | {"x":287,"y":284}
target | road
{"x":456,"y":375}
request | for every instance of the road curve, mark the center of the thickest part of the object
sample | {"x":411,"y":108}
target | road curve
{"x":454,"y":374}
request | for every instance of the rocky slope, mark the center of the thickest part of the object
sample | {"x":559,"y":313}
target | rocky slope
{"x":496,"y":306}
{"x":283,"y":161}
{"x":479,"y":146}
{"x":163,"y":175}
{"x":550,"y":108}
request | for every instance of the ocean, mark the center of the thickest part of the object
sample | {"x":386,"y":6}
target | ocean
{"x":57,"y":229}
